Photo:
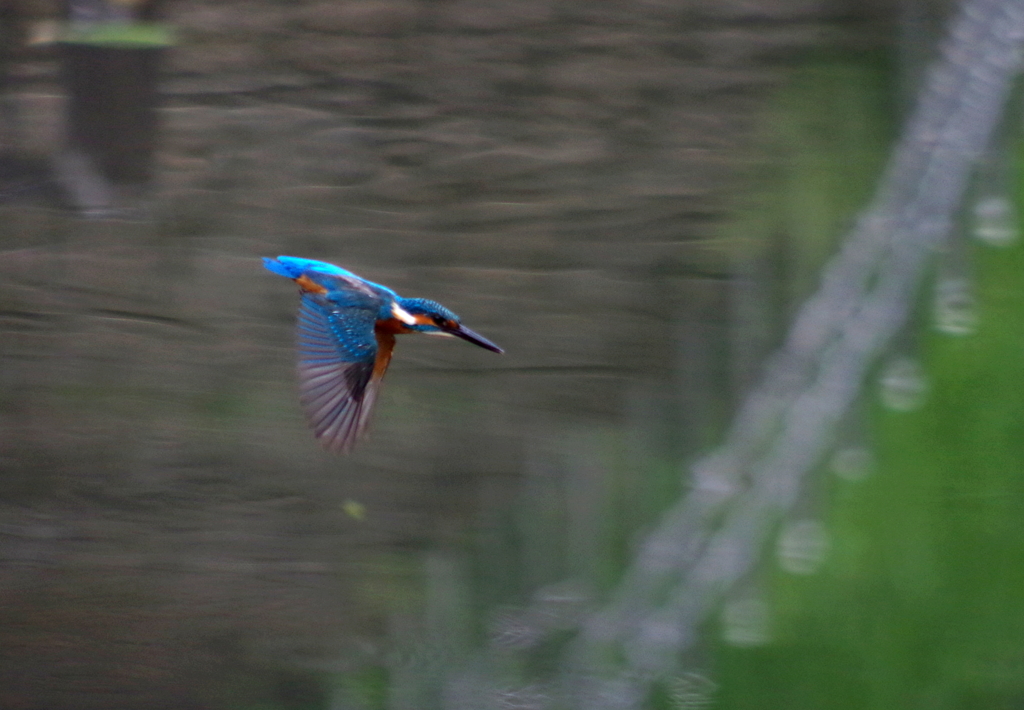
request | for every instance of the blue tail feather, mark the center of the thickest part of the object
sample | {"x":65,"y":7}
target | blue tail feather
{"x":281,"y":267}
{"x":293,"y":267}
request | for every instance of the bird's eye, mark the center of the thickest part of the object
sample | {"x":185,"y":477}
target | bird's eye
{"x":441,"y":322}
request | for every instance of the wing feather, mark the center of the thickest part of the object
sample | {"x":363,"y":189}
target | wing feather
{"x":338,"y":382}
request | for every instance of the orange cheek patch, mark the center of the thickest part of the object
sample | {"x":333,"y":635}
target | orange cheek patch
{"x":309,"y":285}
{"x":423,"y":320}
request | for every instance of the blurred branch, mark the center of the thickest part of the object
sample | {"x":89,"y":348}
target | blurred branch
{"x":712,"y":538}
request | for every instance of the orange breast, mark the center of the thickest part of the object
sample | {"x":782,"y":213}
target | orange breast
{"x":385,"y":346}
{"x":392,"y":326}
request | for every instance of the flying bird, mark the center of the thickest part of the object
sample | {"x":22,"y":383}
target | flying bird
{"x":345,"y":335}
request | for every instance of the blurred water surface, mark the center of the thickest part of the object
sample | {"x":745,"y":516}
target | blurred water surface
{"x":631,"y":201}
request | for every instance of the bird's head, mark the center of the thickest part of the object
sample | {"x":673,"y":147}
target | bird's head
{"x":421,"y":315}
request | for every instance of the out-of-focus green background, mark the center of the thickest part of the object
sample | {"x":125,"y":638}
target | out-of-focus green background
{"x":918,"y":600}
{"x":632,"y":199}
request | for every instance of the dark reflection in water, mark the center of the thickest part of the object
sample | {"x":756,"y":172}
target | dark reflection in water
{"x":170,"y":533}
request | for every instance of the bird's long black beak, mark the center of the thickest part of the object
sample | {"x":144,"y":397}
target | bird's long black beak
{"x":466,"y":334}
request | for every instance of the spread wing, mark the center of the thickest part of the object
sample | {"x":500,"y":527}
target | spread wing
{"x":340,"y":367}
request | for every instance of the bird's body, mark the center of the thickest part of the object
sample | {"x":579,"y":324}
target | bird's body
{"x":346,"y":334}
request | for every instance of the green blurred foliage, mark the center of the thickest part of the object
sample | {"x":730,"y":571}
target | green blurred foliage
{"x":920,"y":602}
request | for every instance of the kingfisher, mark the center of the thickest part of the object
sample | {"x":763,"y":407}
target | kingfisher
{"x":345,"y":336}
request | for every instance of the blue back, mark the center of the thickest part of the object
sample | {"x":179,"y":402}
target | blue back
{"x":345,"y":289}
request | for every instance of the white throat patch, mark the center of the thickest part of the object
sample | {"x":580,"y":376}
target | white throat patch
{"x":402,"y":314}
